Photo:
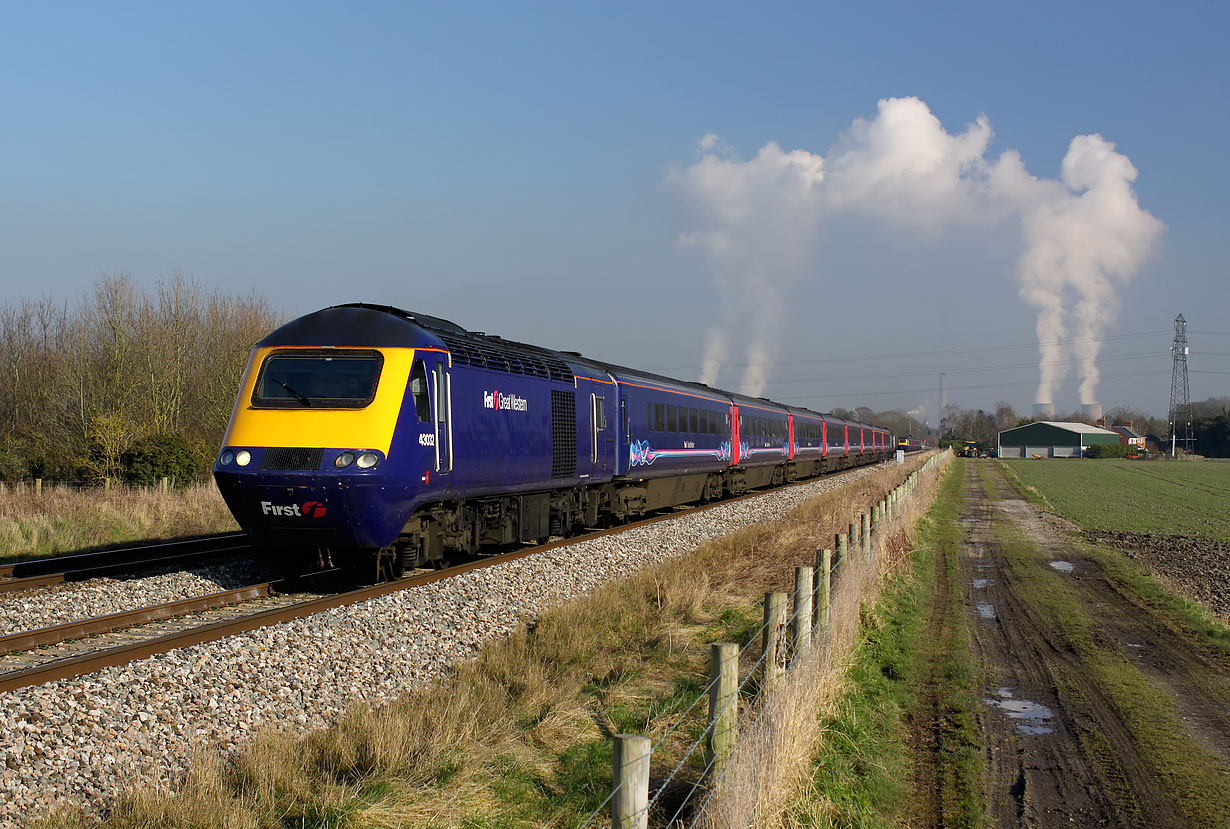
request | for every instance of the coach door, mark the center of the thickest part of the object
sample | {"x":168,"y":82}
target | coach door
{"x":600,"y":434}
{"x":442,"y":411}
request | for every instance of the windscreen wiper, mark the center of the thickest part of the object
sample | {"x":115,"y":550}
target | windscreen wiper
{"x":302,"y":397}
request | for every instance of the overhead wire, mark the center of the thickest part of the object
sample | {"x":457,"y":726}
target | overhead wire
{"x":979,"y":386}
{"x":939,"y":353}
{"x":1001,"y":367}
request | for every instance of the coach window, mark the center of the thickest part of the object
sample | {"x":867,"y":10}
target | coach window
{"x":693,"y":421}
{"x":418,"y":390}
{"x":649,"y":416}
{"x":659,"y":417}
{"x":672,"y":418}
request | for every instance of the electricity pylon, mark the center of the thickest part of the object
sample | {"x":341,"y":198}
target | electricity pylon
{"x":1180,"y":396}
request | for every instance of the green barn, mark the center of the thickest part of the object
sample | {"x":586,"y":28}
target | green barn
{"x":1052,"y":439}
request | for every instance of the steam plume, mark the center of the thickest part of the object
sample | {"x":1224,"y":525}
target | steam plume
{"x":759,"y":220}
{"x":757,"y":223}
{"x":1082,"y":239}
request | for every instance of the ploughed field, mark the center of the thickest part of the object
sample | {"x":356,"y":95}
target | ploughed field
{"x":1171,"y":517}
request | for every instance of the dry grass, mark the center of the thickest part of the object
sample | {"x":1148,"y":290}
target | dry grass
{"x":64,"y":520}
{"x":520,"y":736}
{"x":772,"y":763}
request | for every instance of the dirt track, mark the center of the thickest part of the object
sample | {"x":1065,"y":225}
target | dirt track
{"x":1065,"y":742}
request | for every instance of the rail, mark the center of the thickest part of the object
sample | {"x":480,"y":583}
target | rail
{"x":40,"y":572}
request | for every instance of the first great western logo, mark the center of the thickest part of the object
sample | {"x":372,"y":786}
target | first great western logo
{"x":504,"y":401}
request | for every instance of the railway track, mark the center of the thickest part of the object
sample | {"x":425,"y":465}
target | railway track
{"x":93,"y":644}
{"x":45,"y":572}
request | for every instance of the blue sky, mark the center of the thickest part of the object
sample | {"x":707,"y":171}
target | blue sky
{"x":506,"y":166}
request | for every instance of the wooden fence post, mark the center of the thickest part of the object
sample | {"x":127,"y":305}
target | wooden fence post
{"x":866,"y":535}
{"x":38,"y":487}
{"x":826,"y":583}
{"x":162,"y":484}
{"x":771,"y":637}
{"x":824,"y":559}
{"x":839,"y":541}
{"x":723,"y":705}
{"x":630,"y":783}
{"x":801,"y":628}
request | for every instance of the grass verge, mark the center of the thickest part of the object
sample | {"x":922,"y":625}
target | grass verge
{"x":906,"y":719}
{"x":64,"y":520}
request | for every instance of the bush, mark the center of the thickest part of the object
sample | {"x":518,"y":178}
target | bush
{"x":13,"y":465}
{"x":162,"y":456}
{"x":1112,"y":450}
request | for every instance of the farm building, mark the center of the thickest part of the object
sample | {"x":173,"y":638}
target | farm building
{"x":1051,"y":439}
{"x":1129,"y":436}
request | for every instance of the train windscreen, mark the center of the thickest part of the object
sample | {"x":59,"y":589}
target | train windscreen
{"x":331,"y":380}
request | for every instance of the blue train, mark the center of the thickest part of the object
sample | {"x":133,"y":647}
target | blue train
{"x":368,"y":431}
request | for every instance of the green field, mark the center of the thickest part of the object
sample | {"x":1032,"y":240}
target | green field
{"x":1174,"y":498}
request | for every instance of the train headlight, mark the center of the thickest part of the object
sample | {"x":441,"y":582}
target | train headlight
{"x":367,"y":460}
{"x":243,"y":457}
{"x":344,"y":460}
{"x":226,"y":458}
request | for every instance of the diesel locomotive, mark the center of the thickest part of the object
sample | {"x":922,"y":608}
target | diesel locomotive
{"x":365,"y":432}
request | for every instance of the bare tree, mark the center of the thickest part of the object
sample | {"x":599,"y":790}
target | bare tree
{"x":82,"y":384}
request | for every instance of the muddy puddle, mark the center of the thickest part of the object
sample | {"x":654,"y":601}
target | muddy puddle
{"x":1031,"y":717}
{"x":986,"y":610}
{"x":980,"y":584}
{"x":1062,"y":566}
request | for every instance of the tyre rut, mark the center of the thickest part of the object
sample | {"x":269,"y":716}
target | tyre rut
{"x":1060,"y":754}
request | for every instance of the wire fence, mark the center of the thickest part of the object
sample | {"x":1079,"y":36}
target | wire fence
{"x":705,"y":783}
{"x":39,"y":486}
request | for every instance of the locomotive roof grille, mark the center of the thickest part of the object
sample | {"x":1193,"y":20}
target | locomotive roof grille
{"x":484,"y":353}
{"x":472,"y":348}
